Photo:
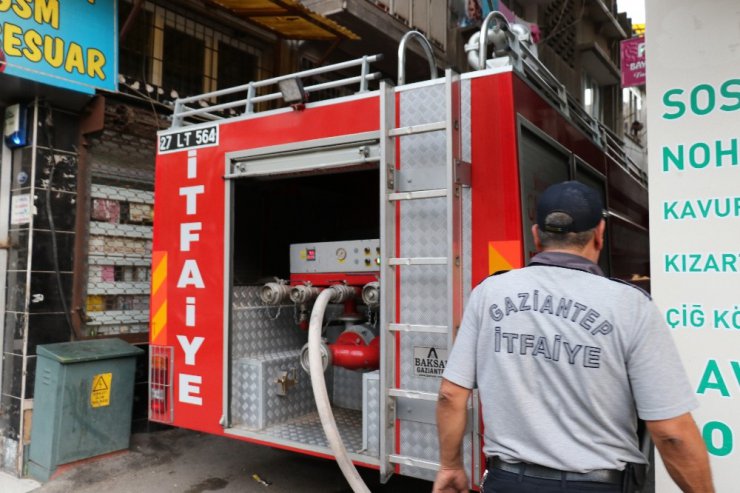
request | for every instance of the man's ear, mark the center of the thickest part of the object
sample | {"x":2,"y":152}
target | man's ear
{"x":536,"y":236}
{"x":599,"y":236}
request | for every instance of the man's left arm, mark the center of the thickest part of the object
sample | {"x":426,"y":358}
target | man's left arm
{"x":451,"y":420}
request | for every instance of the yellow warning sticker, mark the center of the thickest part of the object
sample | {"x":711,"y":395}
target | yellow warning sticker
{"x":100,"y":394}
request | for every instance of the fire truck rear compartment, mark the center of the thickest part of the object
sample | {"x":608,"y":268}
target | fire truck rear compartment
{"x":270,"y":394}
{"x":272,"y":213}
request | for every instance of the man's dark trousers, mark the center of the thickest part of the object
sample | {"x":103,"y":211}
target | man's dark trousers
{"x":498,"y":481}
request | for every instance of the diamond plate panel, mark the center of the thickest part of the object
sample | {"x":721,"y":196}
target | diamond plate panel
{"x":423,"y":162}
{"x":423,"y":233}
{"x":424,"y":228}
{"x":347,"y":392}
{"x":424,"y":288}
{"x":423,"y":156}
{"x":467,"y":247}
{"x":465,"y":126}
{"x":420,"y":440}
{"x":265,"y":342}
{"x":307,"y":430}
{"x":423,"y":297}
{"x":424,"y":294}
{"x":258,"y":391}
{"x":371,"y":413}
{"x":424,"y":104}
{"x":467,"y":195}
{"x":257,"y":328}
{"x":299,"y":399}
{"x":247,"y":395}
{"x":243,"y":296}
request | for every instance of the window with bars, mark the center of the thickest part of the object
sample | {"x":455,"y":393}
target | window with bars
{"x":560,"y":27}
{"x":136,"y":48}
{"x":171,"y":50}
{"x":183,"y":57}
{"x":235,"y":67}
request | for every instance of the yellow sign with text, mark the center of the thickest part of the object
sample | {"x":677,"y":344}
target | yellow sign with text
{"x":100,"y":393}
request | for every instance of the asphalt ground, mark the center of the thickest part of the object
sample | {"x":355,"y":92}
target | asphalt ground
{"x":184,"y":461}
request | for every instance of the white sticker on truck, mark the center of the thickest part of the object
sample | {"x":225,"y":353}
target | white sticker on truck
{"x":429,"y":361}
{"x":188,"y":139}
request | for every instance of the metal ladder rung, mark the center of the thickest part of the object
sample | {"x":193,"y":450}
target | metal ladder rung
{"x":434,"y":329}
{"x":417,"y":129}
{"x":418,"y":194}
{"x":413,"y":394}
{"x":413,"y":462}
{"x":417,"y":261}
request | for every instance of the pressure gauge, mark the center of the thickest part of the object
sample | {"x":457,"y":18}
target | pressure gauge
{"x":341,"y":254}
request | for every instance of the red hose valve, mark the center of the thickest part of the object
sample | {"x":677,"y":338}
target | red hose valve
{"x":352,"y":352}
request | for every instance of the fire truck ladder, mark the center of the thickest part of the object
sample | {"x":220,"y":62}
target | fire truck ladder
{"x":457,"y":174}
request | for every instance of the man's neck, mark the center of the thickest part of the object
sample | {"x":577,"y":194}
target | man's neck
{"x":587,"y":253}
{"x":568,"y":259}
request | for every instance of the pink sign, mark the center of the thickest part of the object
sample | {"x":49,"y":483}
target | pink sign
{"x":633,"y":62}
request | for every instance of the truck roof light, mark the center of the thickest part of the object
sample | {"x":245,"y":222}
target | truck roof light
{"x":292,"y":90}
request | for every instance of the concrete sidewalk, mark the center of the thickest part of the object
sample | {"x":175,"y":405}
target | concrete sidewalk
{"x":11,"y":484}
{"x":183,"y":461}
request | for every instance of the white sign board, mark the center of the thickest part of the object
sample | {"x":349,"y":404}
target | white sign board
{"x":21,"y":209}
{"x":693,"y":97}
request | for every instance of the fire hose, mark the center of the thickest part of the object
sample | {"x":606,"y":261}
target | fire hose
{"x":316,"y":366}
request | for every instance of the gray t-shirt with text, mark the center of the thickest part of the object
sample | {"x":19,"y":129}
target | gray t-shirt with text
{"x":565,"y":360}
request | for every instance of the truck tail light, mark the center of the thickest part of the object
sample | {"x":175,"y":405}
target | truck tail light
{"x":160,"y":384}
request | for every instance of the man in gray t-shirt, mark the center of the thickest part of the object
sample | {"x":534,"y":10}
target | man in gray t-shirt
{"x":566,"y":361}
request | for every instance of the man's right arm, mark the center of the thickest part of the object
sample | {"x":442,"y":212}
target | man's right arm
{"x":457,"y":381}
{"x":683,"y":452}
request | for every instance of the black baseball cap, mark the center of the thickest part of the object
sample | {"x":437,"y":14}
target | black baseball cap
{"x":582,"y":203}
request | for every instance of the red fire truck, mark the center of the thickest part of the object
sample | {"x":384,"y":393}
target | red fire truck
{"x":364,"y":221}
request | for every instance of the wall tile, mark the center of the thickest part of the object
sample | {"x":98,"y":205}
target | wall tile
{"x":16,"y":291}
{"x":12,"y":374}
{"x":64,"y":166}
{"x":10,"y":416}
{"x":47,"y":329}
{"x":43,"y":251}
{"x":45,"y":296}
{"x":18,"y":253}
{"x":30,"y":376}
{"x":60,"y":131}
{"x":63,"y":206}
{"x":14,"y":327}
{"x":21,"y":178}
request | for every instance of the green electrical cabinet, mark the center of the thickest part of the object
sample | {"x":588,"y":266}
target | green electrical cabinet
{"x":82,"y":402}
